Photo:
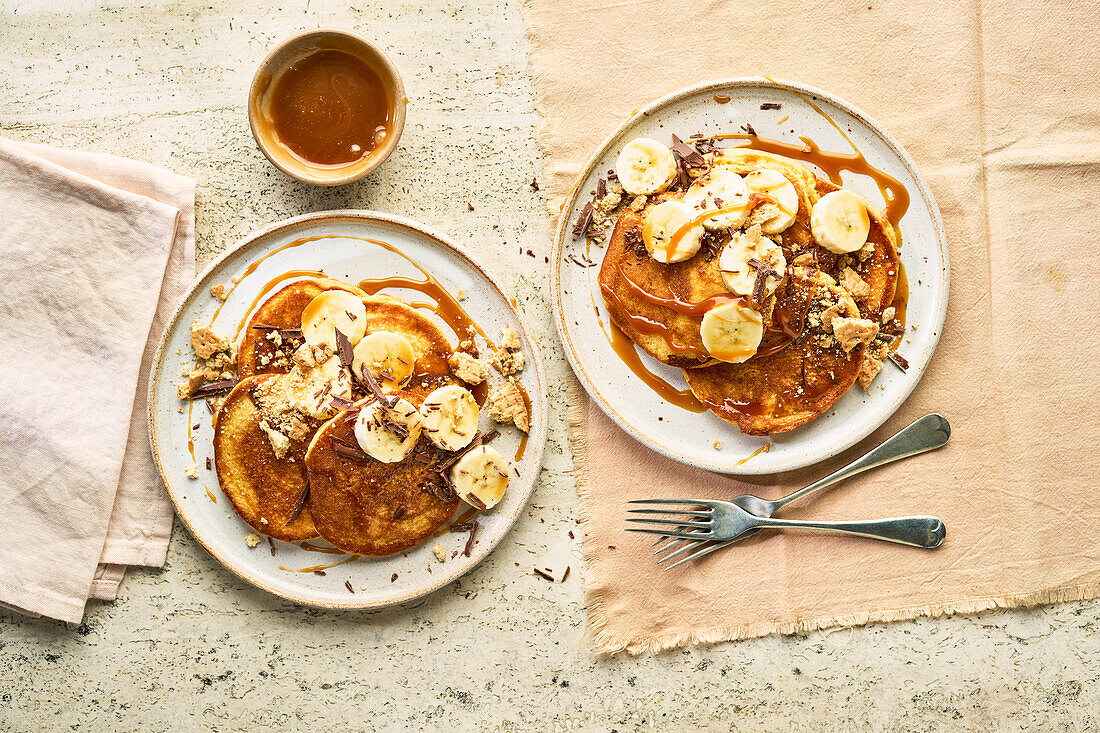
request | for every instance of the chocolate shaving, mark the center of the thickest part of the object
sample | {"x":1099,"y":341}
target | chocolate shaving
{"x":271,"y":543}
{"x":301,"y":502}
{"x":565,"y":574}
{"x":210,"y":406}
{"x":771,"y":105}
{"x":749,"y":129}
{"x":319,"y":572}
{"x":347,"y":584}
{"x":346,"y":451}
{"x":350,"y":315}
{"x":763,"y":272}
{"x":343,"y":348}
{"x":478,"y":440}
{"x":470,"y":540}
{"x":545,"y":575}
{"x":208,"y":463}
{"x":469,"y":206}
{"x":390,"y":424}
{"x":601,"y":189}
{"x":290,"y":333}
{"x":393,"y":577}
{"x":213,"y":388}
{"x":535,"y":183}
{"x":900,"y":361}
{"x":474,"y":501}
{"x":686,"y":153}
{"x":681,"y":171}
{"x":340,"y":403}
{"x":584,"y":220}
{"x":400,"y":512}
{"x":462,"y":527}
{"x":376,"y":389}
{"x":264,"y":327}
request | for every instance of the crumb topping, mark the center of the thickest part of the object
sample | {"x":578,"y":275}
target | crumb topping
{"x":470,"y":370}
{"x":508,"y":358}
{"x":850,"y":332}
{"x":854,"y":284}
{"x":218,"y":291}
{"x":279,"y":442}
{"x":506,"y":405}
{"x":252,"y":539}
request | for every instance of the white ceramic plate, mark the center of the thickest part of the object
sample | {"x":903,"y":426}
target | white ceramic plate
{"x":339,"y":250}
{"x":689,"y":437}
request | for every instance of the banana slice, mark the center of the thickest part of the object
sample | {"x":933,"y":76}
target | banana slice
{"x":330,"y":310}
{"x":480,"y":477}
{"x":311,"y":389}
{"x":839,"y":222}
{"x":738,"y":275}
{"x":731,"y":332}
{"x":379,"y":440}
{"x":668,"y":232}
{"x":450,"y":417}
{"x":645,"y":167}
{"x":389,"y":356}
{"x":775,"y":185}
{"x":720,"y":190}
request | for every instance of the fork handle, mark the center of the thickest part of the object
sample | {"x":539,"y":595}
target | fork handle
{"x":926,"y":532}
{"x":921,"y":435}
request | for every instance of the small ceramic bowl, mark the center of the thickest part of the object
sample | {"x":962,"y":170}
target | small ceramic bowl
{"x":289,"y":52}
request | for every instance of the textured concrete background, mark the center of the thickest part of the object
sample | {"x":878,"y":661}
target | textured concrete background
{"x":190,"y":647}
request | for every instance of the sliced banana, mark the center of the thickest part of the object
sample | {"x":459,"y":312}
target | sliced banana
{"x":738,"y":275}
{"x":731,"y":332}
{"x":311,"y":389}
{"x":668,"y":232}
{"x":775,"y":185}
{"x":379,"y":440}
{"x":720,"y":190}
{"x":389,"y":356}
{"x":480,"y":477}
{"x":450,"y":417}
{"x":645,"y":167}
{"x":331,"y":310}
{"x":839,"y":222}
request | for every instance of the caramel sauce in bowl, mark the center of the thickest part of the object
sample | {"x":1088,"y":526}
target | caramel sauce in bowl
{"x":326,"y":107}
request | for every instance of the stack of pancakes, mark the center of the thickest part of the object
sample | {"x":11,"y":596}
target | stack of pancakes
{"x":315,"y":489}
{"x":799,"y":371}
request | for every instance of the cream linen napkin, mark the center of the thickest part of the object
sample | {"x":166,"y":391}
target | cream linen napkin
{"x":97,"y":249}
{"x":997,"y":104}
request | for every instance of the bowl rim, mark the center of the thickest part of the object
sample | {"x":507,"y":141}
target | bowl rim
{"x":393,"y":80}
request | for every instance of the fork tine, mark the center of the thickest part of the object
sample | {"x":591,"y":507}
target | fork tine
{"x":677,"y":512}
{"x":688,"y":545}
{"x":694,"y":502}
{"x":697,"y":555}
{"x":667,"y":533}
{"x":668,"y":522}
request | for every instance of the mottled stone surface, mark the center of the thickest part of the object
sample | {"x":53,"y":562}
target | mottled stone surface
{"x":190,"y":647}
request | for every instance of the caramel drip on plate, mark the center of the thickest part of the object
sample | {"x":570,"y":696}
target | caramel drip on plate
{"x":523,"y":441}
{"x":318,"y":548}
{"x":190,"y":437}
{"x":643,"y":325}
{"x":762,"y":449}
{"x":628,"y":352}
{"x":267,"y":288}
{"x":900,"y":302}
{"x":315,"y":568}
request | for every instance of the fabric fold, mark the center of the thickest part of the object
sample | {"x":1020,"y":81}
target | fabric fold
{"x":97,"y":251}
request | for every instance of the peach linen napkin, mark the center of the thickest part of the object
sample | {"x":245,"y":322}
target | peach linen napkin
{"x":998,"y":105}
{"x":96,"y":250}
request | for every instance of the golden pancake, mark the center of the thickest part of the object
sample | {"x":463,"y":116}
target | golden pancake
{"x":258,"y":353}
{"x":262,"y":487}
{"x":660,"y":306}
{"x":778,"y":390}
{"x":368,"y":507}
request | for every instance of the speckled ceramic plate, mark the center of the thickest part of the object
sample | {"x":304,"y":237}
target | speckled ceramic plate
{"x":690,"y":437}
{"x":333,"y":242}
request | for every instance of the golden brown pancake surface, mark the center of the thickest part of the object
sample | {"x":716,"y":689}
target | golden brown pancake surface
{"x":368,"y":507}
{"x":283,"y":310}
{"x":259,"y":485}
{"x":634,"y":285}
{"x":777,"y":392}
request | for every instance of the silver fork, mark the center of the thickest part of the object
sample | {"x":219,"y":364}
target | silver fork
{"x":724,"y":520}
{"x":924,"y":434}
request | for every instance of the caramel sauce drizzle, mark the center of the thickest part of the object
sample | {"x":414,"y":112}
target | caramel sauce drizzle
{"x":315,"y":568}
{"x":190,"y":437}
{"x":762,"y":449}
{"x":267,"y":288}
{"x":627,"y":350}
{"x":317,"y":548}
{"x":522,"y":441}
